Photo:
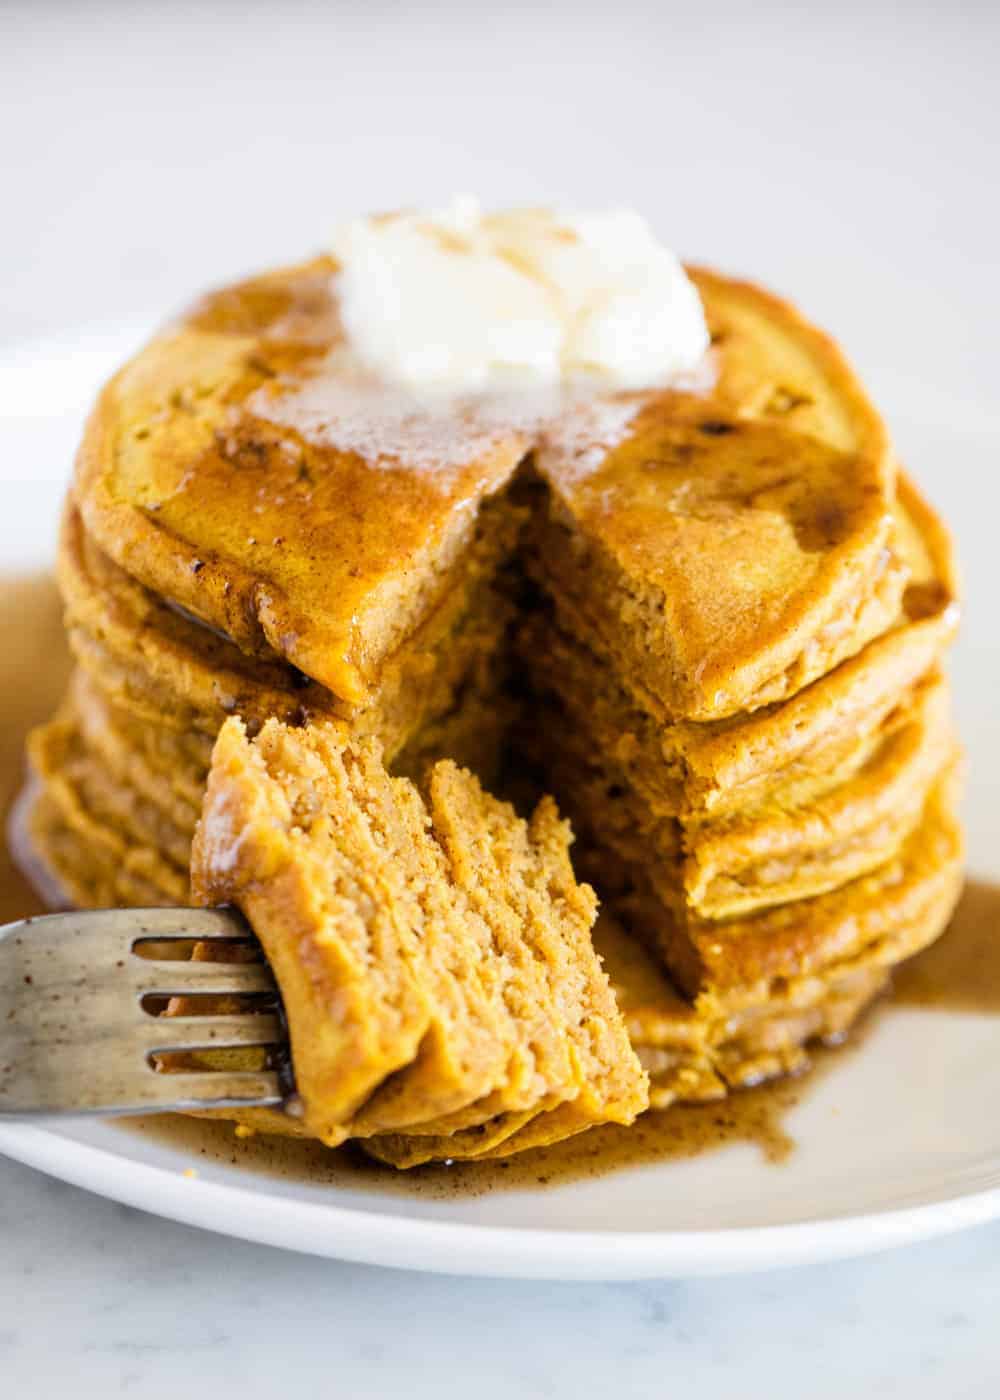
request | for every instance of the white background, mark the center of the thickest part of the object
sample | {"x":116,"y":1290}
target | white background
{"x":847,"y":154}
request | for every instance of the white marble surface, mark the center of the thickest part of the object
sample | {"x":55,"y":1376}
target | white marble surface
{"x":844,"y":153}
{"x":101,"y":1300}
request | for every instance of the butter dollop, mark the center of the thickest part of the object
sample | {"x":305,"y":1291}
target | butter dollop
{"x":457,"y":300}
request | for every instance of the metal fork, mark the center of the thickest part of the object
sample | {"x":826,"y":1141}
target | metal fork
{"x":76,"y":1037}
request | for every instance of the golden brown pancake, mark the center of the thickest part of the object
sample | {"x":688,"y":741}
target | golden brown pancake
{"x":715,"y":614}
{"x":782,"y":848}
{"x":692,"y":1059}
{"x":73,"y":867}
{"x":750,"y":526}
{"x":433,"y":953}
{"x":725,"y":965}
{"x":792,"y":850}
{"x":167,"y":667}
{"x":322,"y":556}
{"x":796,"y":748}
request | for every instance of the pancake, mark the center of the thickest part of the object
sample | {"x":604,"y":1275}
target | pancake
{"x":796,"y":749}
{"x":692,"y":1060}
{"x":728,"y":552}
{"x":113,"y":828}
{"x":285,"y":545}
{"x":211,"y":472}
{"x":166,"y":767}
{"x":166,"y":667}
{"x":74,"y":868}
{"x":737,"y":1033}
{"x":354,"y":1001}
{"x":785,"y":851}
{"x":773,"y":852}
{"x":411,"y":990}
{"x":725,"y":966}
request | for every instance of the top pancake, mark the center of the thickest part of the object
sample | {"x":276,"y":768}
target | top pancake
{"x":234,"y":468}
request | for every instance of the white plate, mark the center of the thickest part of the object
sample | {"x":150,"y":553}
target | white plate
{"x":898,"y":1142}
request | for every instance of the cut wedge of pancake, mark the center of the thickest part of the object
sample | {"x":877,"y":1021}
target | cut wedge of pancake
{"x":417,"y":989}
{"x":765,"y":808}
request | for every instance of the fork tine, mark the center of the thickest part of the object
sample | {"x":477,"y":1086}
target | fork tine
{"x":127,"y":926}
{"x":129,"y":1084}
{"x":206,"y":1032}
{"x":182,"y":924}
{"x":174,"y":1093}
{"x":154,"y":978}
{"x":180,"y":1093}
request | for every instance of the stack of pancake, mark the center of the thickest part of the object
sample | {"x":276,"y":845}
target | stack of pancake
{"x":712,"y":619}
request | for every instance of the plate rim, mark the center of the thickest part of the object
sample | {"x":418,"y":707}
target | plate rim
{"x":468,"y":1249}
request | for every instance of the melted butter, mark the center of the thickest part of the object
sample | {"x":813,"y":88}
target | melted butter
{"x":959,"y":973}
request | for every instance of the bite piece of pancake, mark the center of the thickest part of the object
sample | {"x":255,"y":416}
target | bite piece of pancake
{"x":282,"y":838}
{"x":417,"y":992}
{"x":494,"y":861}
{"x":609,"y":1085}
